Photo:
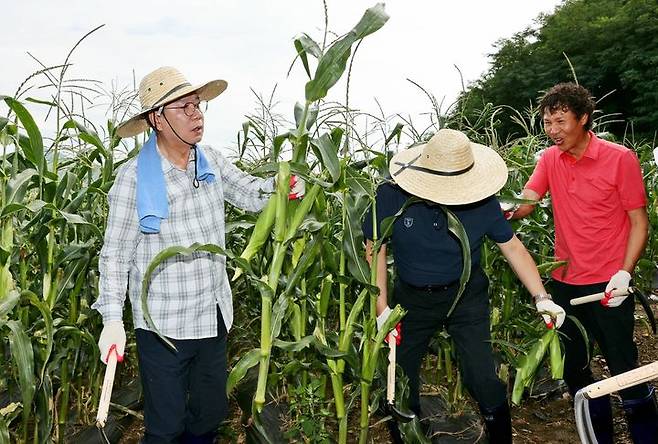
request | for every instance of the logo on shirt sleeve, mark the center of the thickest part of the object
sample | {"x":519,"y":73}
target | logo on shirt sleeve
{"x":408,"y":222}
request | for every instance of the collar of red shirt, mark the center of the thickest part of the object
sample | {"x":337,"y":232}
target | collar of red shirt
{"x":592,"y":150}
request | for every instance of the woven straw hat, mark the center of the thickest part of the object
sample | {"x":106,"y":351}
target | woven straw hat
{"x":162,"y":86}
{"x":449,"y":169}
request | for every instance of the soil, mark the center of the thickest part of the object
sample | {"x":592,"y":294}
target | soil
{"x":547,"y":419}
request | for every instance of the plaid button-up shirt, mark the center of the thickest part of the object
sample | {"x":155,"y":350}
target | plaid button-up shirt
{"x":184,"y":290}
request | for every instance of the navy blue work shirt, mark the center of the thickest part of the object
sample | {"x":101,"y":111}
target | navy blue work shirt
{"x":424,"y":251}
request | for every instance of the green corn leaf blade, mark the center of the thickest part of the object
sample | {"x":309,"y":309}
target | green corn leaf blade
{"x":87,"y":135}
{"x":45,"y":402}
{"x":4,"y":431}
{"x":3,"y":123}
{"x":277,"y":144}
{"x":23,"y":357}
{"x":557,"y":360}
{"x":355,"y":312}
{"x":519,"y":388}
{"x":306,"y":45}
{"x":300,"y":213}
{"x":91,"y":342}
{"x":327,"y":152}
{"x":395,"y":133}
{"x":262,"y":229}
{"x":332,"y":64}
{"x":325,"y":292}
{"x":583,"y":332}
{"x":249,"y":360}
{"x":353,"y":239}
{"x":308,"y":258}
{"x":294,"y":346}
{"x":8,"y":303}
{"x":412,"y":431}
{"x":46,"y":315}
{"x":328,"y":352}
{"x":311,"y":116}
{"x":17,"y":186}
{"x":34,"y":151}
{"x":160,"y":258}
{"x":41,"y":102}
{"x":279,"y":310}
{"x":455,"y":227}
{"x":76,"y":219}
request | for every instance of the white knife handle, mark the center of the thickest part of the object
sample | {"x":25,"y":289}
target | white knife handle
{"x":596,"y":297}
{"x":106,"y":391}
{"x":390,"y":379}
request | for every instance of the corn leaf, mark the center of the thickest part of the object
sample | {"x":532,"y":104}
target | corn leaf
{"x":47,"y":317}
{"x":249,"y":360}
{"x":332,"y":64}
{"x":353,"y":239}
{"x":557,"y":360}
{"x":306,"y":45}
{"x":160,"y":258}
{"x":327,"y":152}
{"x":23,"y":356}
{"x":7,"y":304}
{"x":17,"y":185}
{"x":455,"y":227}
{"x":34,"y":150}
{"x":294,"y":346}
{"x":4,"y":431}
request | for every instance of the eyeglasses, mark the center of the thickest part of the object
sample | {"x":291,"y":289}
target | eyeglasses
{"x":190,"y":107}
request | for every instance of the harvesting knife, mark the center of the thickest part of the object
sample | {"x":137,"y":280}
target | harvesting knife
{"x":640,"y":296}
{"x":390,"y":408}
{"x":106,"y":391}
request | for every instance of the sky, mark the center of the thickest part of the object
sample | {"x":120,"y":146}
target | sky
{"x":250,"y":45}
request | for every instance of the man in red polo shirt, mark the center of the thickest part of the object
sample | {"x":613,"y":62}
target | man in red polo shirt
{"x":601,"y":229}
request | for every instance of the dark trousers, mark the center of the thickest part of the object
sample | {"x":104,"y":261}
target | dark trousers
{"x":611,"y":328}
{"x":469,"y":328}
{"x":184,"y":391}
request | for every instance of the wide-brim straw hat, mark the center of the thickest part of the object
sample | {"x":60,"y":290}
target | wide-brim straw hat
{"x":162,"y":86}
{"x":449,"y":169}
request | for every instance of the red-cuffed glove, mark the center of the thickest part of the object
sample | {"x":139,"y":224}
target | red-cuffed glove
{"x":508,"y":209}
{"x":397,"y":333}
{"x":297,"y":187}
{"x":112,"y":339}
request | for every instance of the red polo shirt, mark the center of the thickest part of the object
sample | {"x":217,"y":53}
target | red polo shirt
{"x":590,"y":198}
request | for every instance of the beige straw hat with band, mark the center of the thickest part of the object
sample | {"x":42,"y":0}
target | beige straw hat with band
{"x":162,"y":86}
{"x":449,"y":169}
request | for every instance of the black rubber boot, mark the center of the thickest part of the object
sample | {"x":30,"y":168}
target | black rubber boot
{"x":498,"y":424}
{"x":600,"y":411}
{"x":642,"y":417}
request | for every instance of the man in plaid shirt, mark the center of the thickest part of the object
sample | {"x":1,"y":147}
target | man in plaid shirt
{"x":172,"y":194}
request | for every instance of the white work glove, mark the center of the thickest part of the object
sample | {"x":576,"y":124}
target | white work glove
{"x":113,"y":334}
{"x":619,"y":281}
{"x":381,"y":318}
{"x":297,"y":187}
{"x":549,"y":310}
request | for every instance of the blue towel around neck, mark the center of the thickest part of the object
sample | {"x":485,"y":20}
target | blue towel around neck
{"x":152,"y":203}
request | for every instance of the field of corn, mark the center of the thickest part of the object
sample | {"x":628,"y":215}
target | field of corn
{"x":304,"y":338}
